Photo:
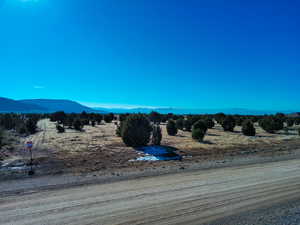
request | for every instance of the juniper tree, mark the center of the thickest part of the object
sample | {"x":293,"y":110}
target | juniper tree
{"x":199,"y":130}
{"x":171,"y":128}
{"x":136,"y":130}
{"x":156,"y":135}
{"x":228,"y":123}
{"x":271,"y":124}
{"x":187,"y":124}
{"x":248,"y":128}
{"x":180,"y":124}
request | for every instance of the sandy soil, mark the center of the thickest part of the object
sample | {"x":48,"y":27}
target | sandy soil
{"x":184,"y":198}
{"x":98,"y":148}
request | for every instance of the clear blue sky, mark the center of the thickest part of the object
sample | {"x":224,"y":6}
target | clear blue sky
{"x":187,"y":54}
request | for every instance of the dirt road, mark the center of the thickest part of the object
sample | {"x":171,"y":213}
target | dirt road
{"x":183,"y":198}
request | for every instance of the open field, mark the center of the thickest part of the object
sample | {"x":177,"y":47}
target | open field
{"x":99,"y":149}
{"x":184,"y":198}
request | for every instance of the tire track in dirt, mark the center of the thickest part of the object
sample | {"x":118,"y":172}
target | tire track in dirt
{"x":188,"y":198}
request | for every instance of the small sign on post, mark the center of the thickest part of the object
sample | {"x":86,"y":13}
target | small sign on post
{"x":29,"y":145}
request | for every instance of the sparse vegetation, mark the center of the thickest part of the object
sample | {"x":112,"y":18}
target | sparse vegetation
{"x":31,"y":125}
{"x":59,"y":117}
{"x":239,"y":120}
{"x":199,"y":130}
{"x":136,"y":130}
{"x":98,"y":147}
{"x":198,"y":134}
{"x":219,"y":117}
{"x":271,"y":124}
{"x":209,"y":123}
{"x":180,"y":124}
{"x":201,"y":124}
{"x":60,"y":129}
{"x":290,"y":122}
{"x":119,"y":128}
{"x":155,"y":117}
{"x":78,"y":125}
{"x":1,"y":136}
{"x":171,"y":128}
{"x":248,"y":129}
{"x":156,"y":135}
{"x":228,"y":123}
{"x":108,"y":118}
{"x":187,"y":124}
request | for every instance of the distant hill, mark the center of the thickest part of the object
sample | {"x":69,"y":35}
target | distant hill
{"x":53,"y":105}
{"x":179,"y":111}
{"x":10,"y":105}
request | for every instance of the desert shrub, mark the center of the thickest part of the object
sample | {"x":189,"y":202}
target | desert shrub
{"x":1,"y":136}
{"x":286,"y":130}
{"x":171,"y":128}
{"x":21,"y":129}
{"x":98,"y":118}
{"x":108,"y":118}
{"x":136,"y":130}
{"x":119,"y":128}
{"x":85,"y":122}
{"x":198,"y":134}
{"x":299,"y":131}
{"x":7,"y":121}
{"x":248,"y":129}
{"x":297,"y":121}
{"x":93,"y":123}
{"x":77,"y":124}
{"x":290,"y":122}
{"x":194,"y":118}
{"x":179,"y":124}
{"x":209,"y":123}
{"x":155,"y":117}
{"x":280,"y":116}
{"x":84,"y":115}
{"x":199,"y":130}
{"x":60,"y":129}
{"x":228,"y":123}
{"x":122,"y":117}
{"x":239,"y":120}
{"x":31,"y":125}
{"x":59,"y":117}
{"x":271,"y":124}
{"x":200,"y":125}
{"x":118,"y":131}
{"x":255,"y":119}
{"x":69,"y":121}
{"x":187,"y":124}
{"x":219,"y":117}
{"x":164,"y":118}
{"x":156,"y":135}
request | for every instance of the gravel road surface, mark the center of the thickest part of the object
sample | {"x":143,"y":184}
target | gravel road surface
{"x":199,"y":197}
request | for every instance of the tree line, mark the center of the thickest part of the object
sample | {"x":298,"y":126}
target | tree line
{"x":139,"y":129}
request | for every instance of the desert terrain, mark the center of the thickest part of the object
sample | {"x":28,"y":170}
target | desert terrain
{"x":99,"y":149}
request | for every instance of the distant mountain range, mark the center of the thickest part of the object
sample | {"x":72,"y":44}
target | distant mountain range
{"x":43,"y":106}
{"x":9,"y":105}
{"x":52,"y":105}
{"x":233,"y":111}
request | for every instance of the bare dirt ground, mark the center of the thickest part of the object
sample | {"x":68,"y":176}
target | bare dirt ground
{"x":199,"y":197}
{"x":99,"y":149}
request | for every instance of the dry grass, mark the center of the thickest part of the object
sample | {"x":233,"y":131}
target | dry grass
{"x":99,"y":148}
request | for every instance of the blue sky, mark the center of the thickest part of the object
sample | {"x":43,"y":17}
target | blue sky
{"x":186,"y":54}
